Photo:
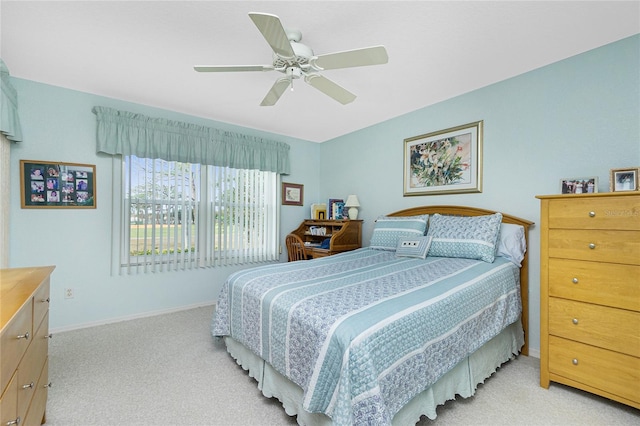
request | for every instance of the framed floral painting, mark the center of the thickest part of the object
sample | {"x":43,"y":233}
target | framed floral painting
{"x":444,"y":162}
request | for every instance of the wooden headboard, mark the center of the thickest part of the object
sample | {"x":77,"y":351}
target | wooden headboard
{"x":474,"y":211}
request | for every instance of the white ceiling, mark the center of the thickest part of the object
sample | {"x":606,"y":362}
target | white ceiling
{"x":144,"y":51}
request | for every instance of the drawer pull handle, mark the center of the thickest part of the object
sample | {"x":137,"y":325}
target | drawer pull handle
{"x":24,"y":336}
{"x":575,"y":361}
{"x":47,"y":385}
{"x":13,"y":422}
{"x":28,"y":386}
{"x":592,"y":214}
{"x":592,"y":246}
{"x":575,"y":321}
{"x":48,"y":336}
{"x":574,"y":280}
{"x":47,"y":300}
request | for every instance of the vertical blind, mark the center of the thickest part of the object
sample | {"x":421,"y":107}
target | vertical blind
{"x":185,"y":216}
{"x":242,"y":211}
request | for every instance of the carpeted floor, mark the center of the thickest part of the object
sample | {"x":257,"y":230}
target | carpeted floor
{"x":167,"y":370}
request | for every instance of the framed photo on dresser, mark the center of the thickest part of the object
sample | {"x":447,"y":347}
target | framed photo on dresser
{"x":580,"y":185}
{"x":624,"y":179}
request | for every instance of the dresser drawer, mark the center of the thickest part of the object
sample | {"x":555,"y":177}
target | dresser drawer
{"x":13,"y":347}
{"x":9,"y":402}
{"x":28,"y":375}
{"x":610,"y":328}
{"x":40,"y":344}
{"x":621,"y":212}
{"x":41,"y":302}
{"x":609,"y":371}
{"x":595,"y":245}
{"x":30,"y":368}
{"x":602,"y":283}
{"x":39,"y":403}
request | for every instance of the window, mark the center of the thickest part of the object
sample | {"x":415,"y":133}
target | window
{"x":181,"y":215}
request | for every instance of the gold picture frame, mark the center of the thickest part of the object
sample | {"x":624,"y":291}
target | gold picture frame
{"x":57,"y":185}
{"x":448,"y":161}
{"x":625,"y":179}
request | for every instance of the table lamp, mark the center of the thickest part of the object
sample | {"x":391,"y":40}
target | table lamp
{"x":353,"y":204}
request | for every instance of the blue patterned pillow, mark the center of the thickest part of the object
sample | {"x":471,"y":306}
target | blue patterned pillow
{"x":413,"y":247}
{"x":388,"y":230}
{"x":466,"y":237}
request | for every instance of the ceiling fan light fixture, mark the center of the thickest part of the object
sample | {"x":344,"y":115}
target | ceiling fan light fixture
{"x":293,"y":73}
{"x":302,"y":55}
{"x":294,"y":60}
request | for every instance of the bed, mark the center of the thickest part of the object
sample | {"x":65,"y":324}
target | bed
{"x":386,"y":333}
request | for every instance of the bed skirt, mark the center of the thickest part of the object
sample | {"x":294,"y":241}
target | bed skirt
{"x":462,"y":380}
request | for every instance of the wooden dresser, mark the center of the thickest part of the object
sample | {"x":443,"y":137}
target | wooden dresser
{"x":24,"y":344}
{"x":590,"y":293}
{"x":345,"y":235}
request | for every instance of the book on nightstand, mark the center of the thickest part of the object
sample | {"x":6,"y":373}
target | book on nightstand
{"x":332,"y":202}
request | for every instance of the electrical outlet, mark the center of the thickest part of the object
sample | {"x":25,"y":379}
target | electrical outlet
{"x":68,"y":293}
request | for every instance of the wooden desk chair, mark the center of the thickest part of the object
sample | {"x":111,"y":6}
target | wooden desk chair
{"x":295,"y":248}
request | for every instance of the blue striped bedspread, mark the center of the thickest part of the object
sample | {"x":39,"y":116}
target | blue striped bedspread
{"x":364,"y":332}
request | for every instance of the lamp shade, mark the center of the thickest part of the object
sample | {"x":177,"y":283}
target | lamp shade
{"x":352,"y":201}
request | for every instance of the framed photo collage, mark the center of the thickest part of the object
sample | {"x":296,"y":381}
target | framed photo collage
{"x":46,"y":184}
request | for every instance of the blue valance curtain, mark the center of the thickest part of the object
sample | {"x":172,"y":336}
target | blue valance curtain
{"x":9,"y":119}
{"x":126,"y":133}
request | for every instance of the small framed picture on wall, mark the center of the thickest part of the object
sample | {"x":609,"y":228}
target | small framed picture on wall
{"x":292,"y":194}
{"x":624,"y":179}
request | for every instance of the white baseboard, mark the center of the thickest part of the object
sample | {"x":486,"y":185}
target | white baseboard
{"x":130,"y":317}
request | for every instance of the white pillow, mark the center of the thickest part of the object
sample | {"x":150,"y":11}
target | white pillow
{"x":413,"y":247}
{"x":511,"y":243}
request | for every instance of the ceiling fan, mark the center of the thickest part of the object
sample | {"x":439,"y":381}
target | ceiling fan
{"x":296,"y":60}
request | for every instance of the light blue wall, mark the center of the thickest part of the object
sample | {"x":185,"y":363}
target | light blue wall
{"x":578,"y":117}
{"x":58,"y":125}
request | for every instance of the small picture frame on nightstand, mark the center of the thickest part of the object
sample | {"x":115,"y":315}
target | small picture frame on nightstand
{"x":624,"y":179}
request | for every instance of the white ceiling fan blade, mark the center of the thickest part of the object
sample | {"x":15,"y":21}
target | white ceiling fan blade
{"x":330,"y":88}
{"x":375,"y":55}
{"x":276,"y":91}
{"x":232,"y":68}
{"x":273,"y":31}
